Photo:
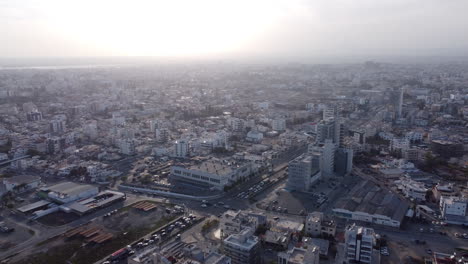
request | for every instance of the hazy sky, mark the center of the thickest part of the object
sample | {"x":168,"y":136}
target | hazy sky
{"x":295,"y":28}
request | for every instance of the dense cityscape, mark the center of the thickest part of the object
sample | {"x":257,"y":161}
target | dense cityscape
{"x":223,"y":162}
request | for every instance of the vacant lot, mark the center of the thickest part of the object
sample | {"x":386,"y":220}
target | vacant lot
{"x":58,"y":218}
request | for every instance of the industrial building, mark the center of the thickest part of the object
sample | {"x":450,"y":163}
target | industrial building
{"x":368,"y":202}
{"x":66,"y":192}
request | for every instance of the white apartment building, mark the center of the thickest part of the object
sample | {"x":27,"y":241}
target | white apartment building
{"x":233,"y":222}
{"x":316,"y":225}
{"x":243,"y":248}
{"x":127,"y":146}
{"x":414,"y":136}
{"x":278,"y":124}
{"x":399,"y":144}
{"x":454,"y":209}
{"x":57,"y":126}
{"x":412,"y":189}
{"x":162,"y":135}
{"x":329,"y":112}
{"x":181,"y":149}
{"x":359,"y":243}
{"x":309,"y":255}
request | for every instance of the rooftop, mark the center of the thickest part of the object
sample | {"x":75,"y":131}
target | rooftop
{"x":369,"y":198}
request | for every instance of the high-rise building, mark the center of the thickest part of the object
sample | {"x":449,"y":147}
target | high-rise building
{"x":162,"y":135}
{"x":301,"y":173}
{"x":127,"y":146}
{"x":242,"y":248}
{"x":181,"y":149}
{"x":343,"y":161}
{"x":57,"y":126}
{"x":359,"y":243}
{"x":400,"y":103}
{"x":333,"y":129}
{"x":328,"y":158}
{"x":90,"y":129}
{"x":34,"y":116}
{"x":330,"y":112}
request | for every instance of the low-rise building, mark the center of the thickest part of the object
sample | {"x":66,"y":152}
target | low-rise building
{"x":359,"y":243}
{"x":309,"y":255}
{"x":242,"y":248}
{"x":412,"y":189}
{"x":21,"y":183}
{"x":66,"y":192}
{"x":454,"y":210}
{"x":214,"y":173}
{"x":317,"y":225}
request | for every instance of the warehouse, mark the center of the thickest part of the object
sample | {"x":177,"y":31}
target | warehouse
{"x":369,"y":203}
{"x":67,"y":192}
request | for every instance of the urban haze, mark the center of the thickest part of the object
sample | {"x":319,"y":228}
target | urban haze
{"x":233,"y":132}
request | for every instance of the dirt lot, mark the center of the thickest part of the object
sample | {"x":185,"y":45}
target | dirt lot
{"x":58,"y":218}
{"x":129,"y":217}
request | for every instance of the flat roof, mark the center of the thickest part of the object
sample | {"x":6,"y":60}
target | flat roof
{"x":23,"y":179}
{"x":33,"y":206}
{"x":68,"y":188}
{"x":369,"y":198}
{"x":84,"y":206}
{"x":213,"y":167}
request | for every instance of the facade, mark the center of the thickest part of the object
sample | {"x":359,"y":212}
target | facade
{"x":181,"y":149}
{"x":369,"y":203}
{"x":127,"y":147}
{"x":316,"y":225}
{"x":233,"y":222}
{"x":216,"y":173}
{"x":328,"y":158}
{"x":278,"y":124}
{"x":34,"y":116}
{"x":242,"y":248}
{"x":454,"y":210}
{"x":359,"y":243}
{"x":162,"y":135}
{"x":21,"y":183}
{"x":343,"y":161}
{"x":447,"y":149}
{"x":399,"y":144}
{"x":57,"y":126}
{"x":412,"y":189}
{"x":254,"y":136}
{"x":301,"y":173}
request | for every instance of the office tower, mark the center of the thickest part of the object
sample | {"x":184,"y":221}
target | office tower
{"x":400,"y":103}
{"x":328,"y":158}
{"x":343,"y":161}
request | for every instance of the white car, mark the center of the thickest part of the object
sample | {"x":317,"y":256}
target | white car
{"x":204,"y":205}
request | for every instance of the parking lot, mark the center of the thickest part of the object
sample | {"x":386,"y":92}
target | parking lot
{"x":12,"y":234}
